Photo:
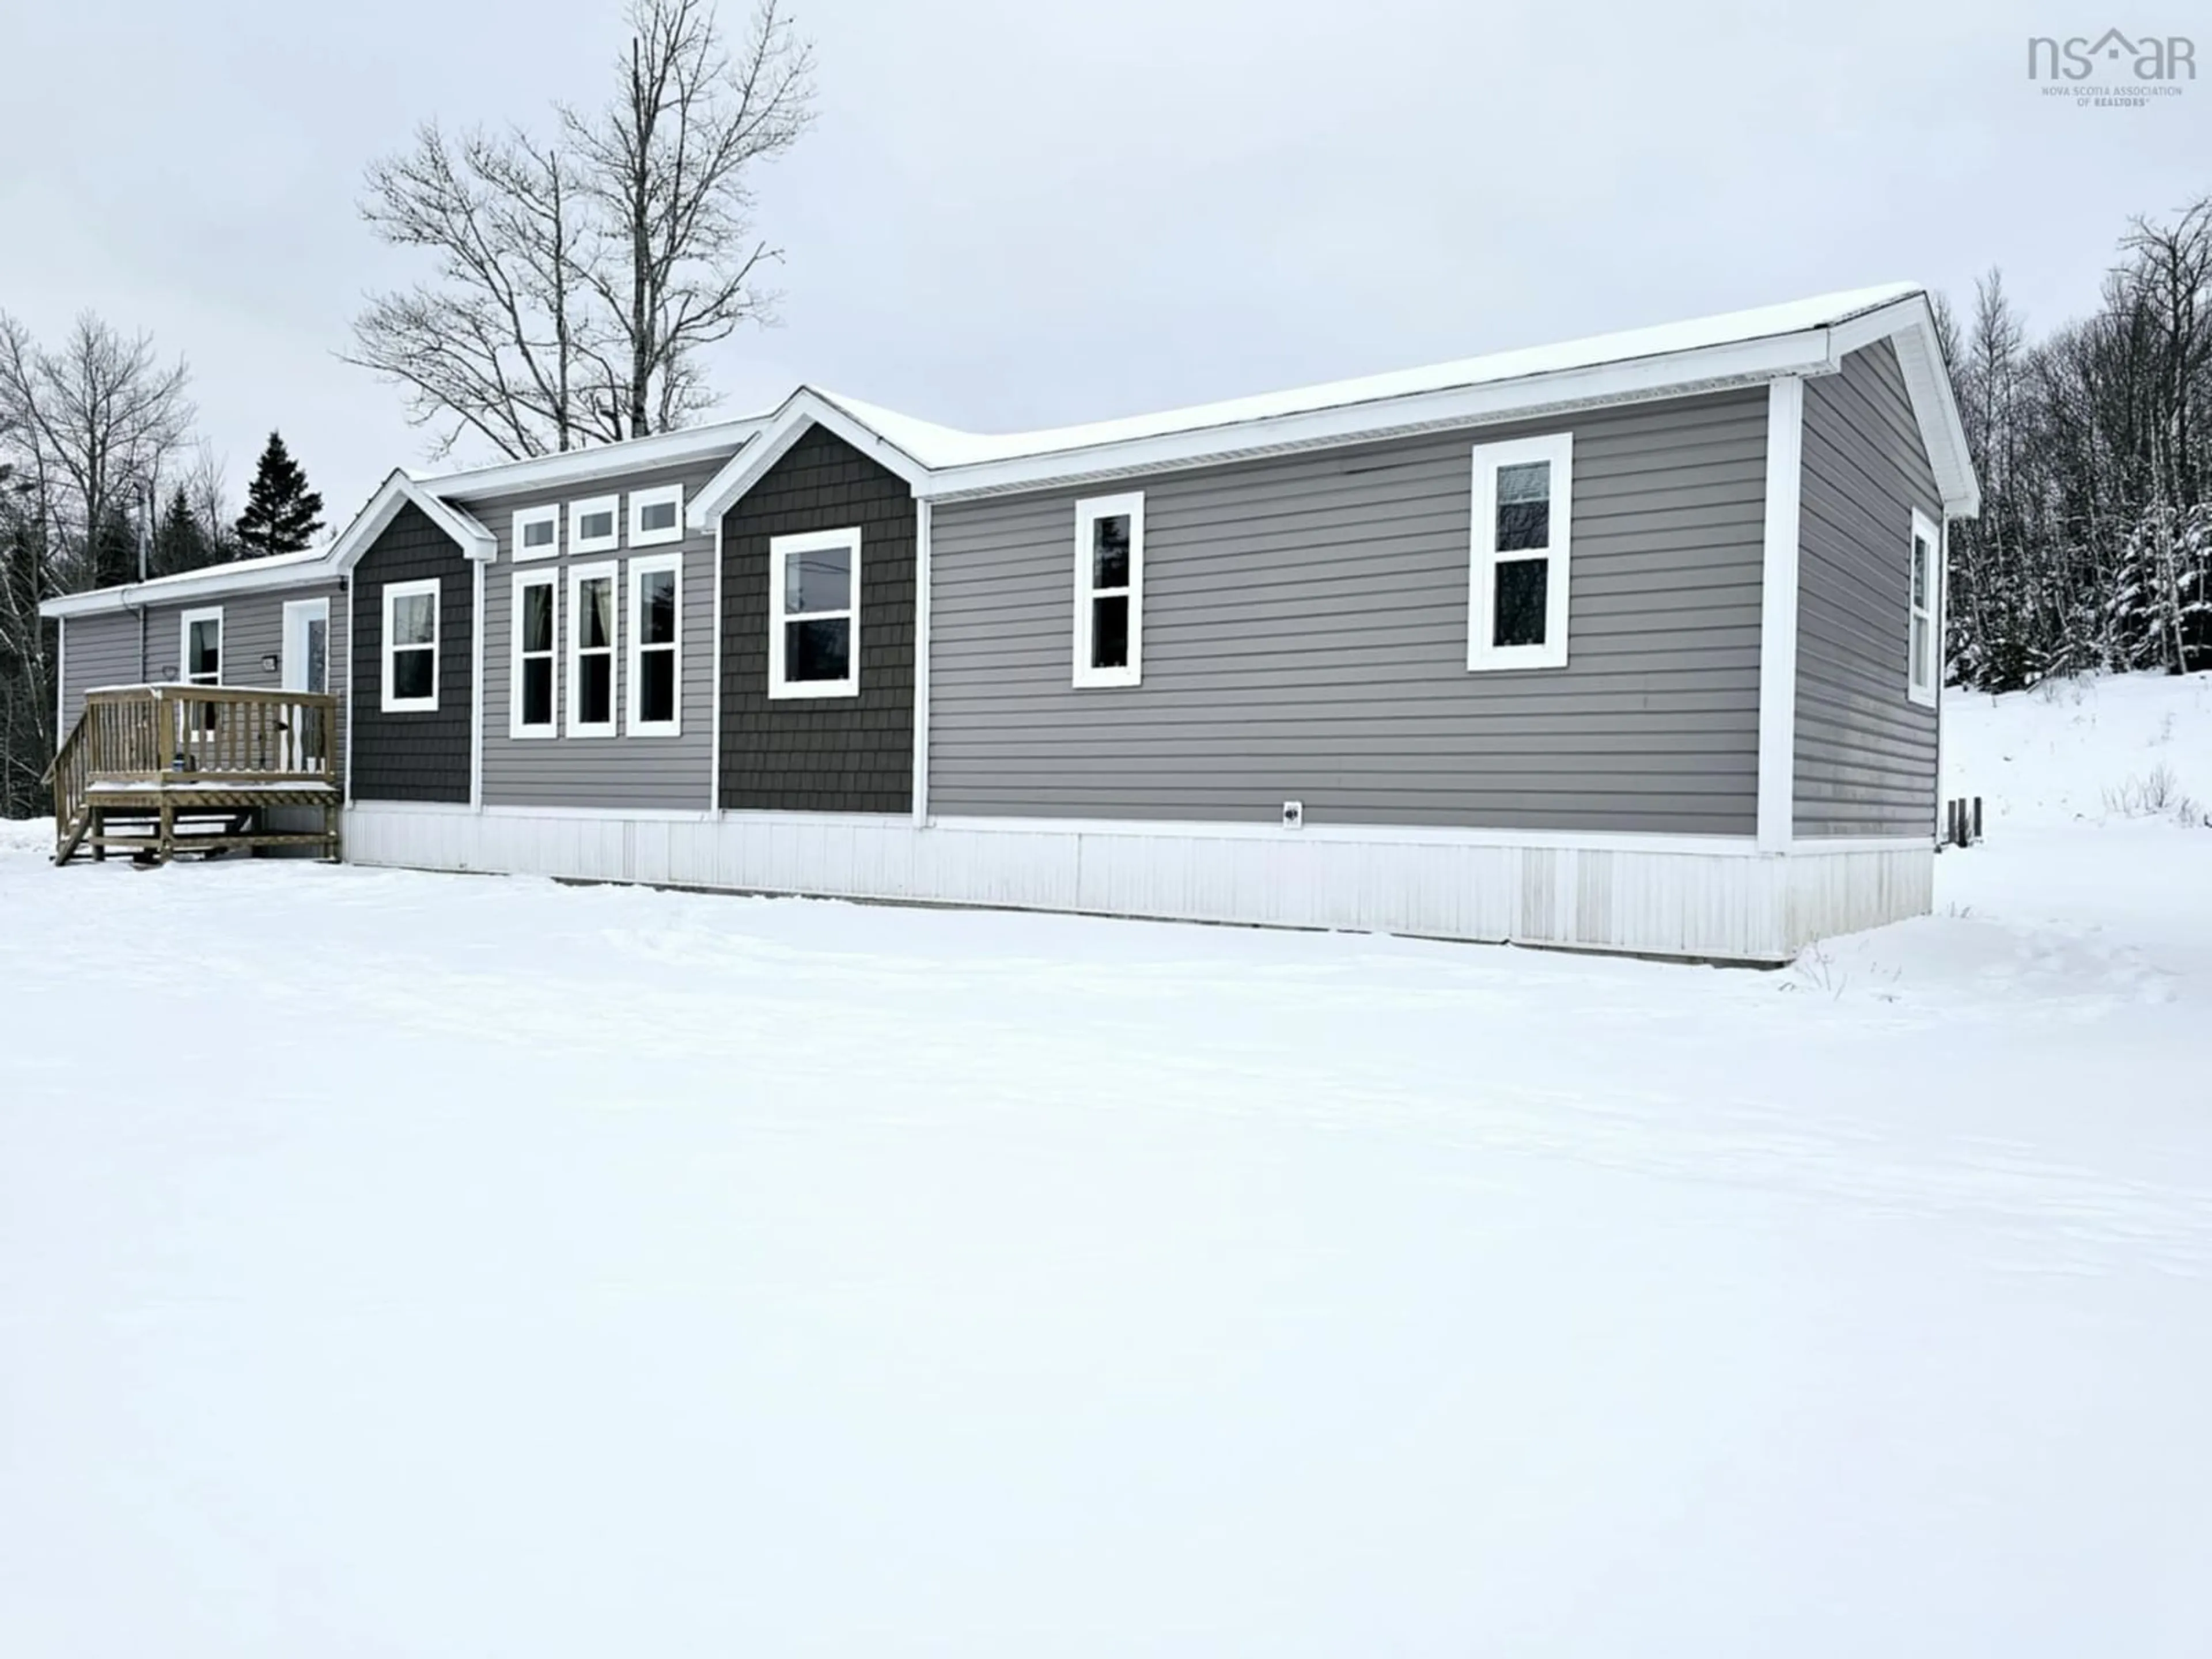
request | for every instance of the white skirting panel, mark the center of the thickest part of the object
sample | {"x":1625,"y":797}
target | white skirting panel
{"x":1730,"y":904}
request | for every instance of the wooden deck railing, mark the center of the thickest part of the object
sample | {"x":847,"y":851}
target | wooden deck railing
{"x":159,"y":735}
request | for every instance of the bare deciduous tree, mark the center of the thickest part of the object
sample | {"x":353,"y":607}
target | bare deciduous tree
{"x":669,"y":162}
{"x":499,"y":343}
{"x":577,"y":281}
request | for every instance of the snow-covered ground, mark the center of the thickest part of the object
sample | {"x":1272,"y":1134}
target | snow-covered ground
{"x":406,"y":1265}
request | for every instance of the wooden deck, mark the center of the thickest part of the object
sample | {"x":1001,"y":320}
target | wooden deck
{"x":161,"y":770}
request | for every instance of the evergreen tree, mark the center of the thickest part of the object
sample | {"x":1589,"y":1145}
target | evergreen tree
{"x":281,"y":514}
{"x":180,"y":542}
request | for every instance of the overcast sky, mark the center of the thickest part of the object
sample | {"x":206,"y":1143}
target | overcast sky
{"x":1021,"y":212}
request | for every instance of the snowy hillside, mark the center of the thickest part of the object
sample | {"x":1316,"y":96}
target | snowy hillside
{"x":2135,"y":746}
{"x":395,"y":1264}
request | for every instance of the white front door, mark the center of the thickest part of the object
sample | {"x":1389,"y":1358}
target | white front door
{"x":307,"y":657}
{"x":308,"y":645}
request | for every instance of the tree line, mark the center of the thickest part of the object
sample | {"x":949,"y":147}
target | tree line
{"x":2094,"y":549}
{"x":103,"y":481}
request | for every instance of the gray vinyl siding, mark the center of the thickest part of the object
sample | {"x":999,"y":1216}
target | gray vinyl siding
{"x":1305,"y":637}
{"x":655,"y":774}
{"x":1866,"y":752}
{"x":825,"y":754}
{"x":421,"y":757}
{"x":103,"y":649}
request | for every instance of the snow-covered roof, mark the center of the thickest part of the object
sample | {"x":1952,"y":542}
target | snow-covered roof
{"x":940,"y":446}
{"x":271,"y":570}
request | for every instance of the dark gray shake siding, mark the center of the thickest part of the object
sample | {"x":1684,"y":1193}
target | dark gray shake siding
{"x":1866,"y":752}
{"x":635,"y":773}
{"x":831,"y":754}
{"x":103,"y":649}
{"x":1306,"y":634}
{"x":423,"y":756}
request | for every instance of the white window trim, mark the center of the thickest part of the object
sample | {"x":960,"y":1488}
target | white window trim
{"x":1923,"y":526}
{"x":780,"y":550}
{"x":1087,"y":513}
{"x":578,"y":575}
{"x":515,"y":728}
{"x":662,"y":494}
{"x":549,"y":513}
{"x":579,"y":543}
{"x":298,"y":613}
{"x":1484,"y":558}
{"x":635,"y":723}
{"x":394,"y":591}
{"x":185,"y":644}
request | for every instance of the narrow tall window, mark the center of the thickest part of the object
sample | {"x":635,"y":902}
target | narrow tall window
{"x":656,"y":645}
{"x":410,"y":647}
{"x":1110,"y":590}
{"x":814,"y":615}
{"x":591,"y":650}
{"x":536,"y":615}
{"x":537,"y":533}
{"x":1926,"y":579}
{"x":1517,"y":563}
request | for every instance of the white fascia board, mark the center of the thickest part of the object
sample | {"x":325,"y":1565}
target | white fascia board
{"x":1711,"y":368}
{"x":213,"y":583}
{"x":663,"y":449}
{"x":1909,"y":325}
{"x":802,"y":409}
{"x":398,"y":491}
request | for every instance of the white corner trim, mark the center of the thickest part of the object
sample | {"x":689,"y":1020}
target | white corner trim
{"x":1777,"y":614}
{"x":476,"y":687}
{"x":920,"y":786}
{"x":61,"y":678}
{"x":714,"y":702}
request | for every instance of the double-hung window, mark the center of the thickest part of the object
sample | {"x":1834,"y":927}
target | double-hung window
{"x":1110,"y":590}
{"x":656,"y":645}
{"x":591,"y":635}
{"x":410,"y":647}
{"x":656,"y":515}
{"x":595,"y":527}
{"x":536,"y":532}
{"x":814,"y":615}
{"x":1517,"y":560}
{"x":1924,"y":604}
{"x":533,"y":689}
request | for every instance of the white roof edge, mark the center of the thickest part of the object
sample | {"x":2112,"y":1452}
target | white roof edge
{"x":400,"y":490}
{"x":244,"y":576}
{"x":1637,"y":379}
{"x":600,"y":461}
{"x":805,"y":407}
